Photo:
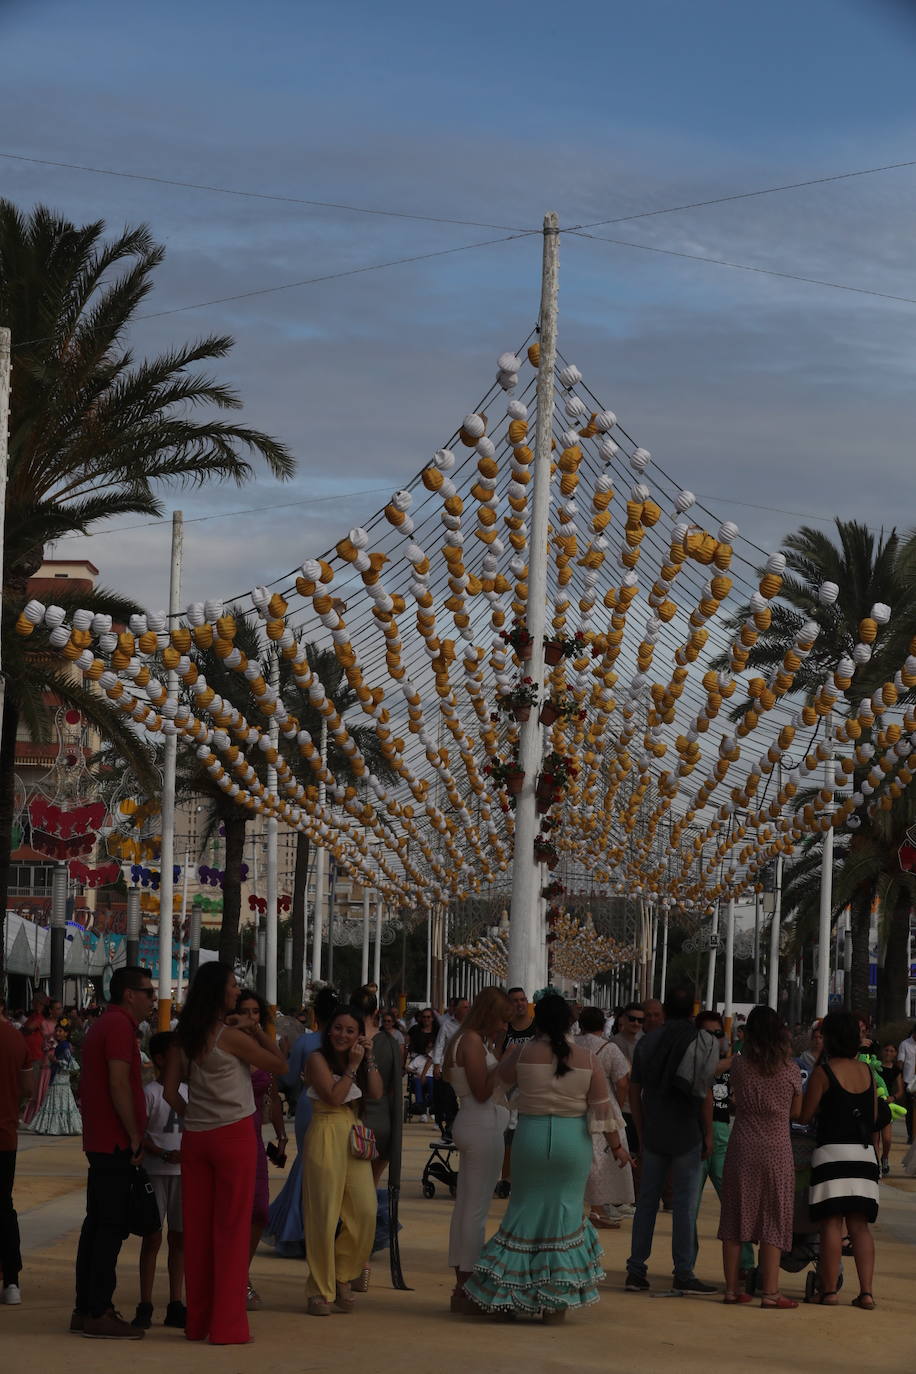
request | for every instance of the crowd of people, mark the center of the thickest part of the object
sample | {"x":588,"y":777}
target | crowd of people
{"x":584,"y":1121}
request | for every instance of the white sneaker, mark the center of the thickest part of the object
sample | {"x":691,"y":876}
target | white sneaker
{"x":11,"y":1295}
{"x":627,"y":1209}
{"x":614,"y":1213}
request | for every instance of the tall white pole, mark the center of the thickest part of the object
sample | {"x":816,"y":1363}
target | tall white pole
{"x":273,"y":826}
{"x":321,"y":859}
{"x":167,"y":854}
{"x":730,"y":960}
{"x":773,"y":971}
{"x":524,"y":961}
{"x":664,"y":978}
{"x":711,"y":971}
{"x":377,"y":953}
{"x":429,"y":957}
{"x":826,"y":903}
{"x":364,"y":970}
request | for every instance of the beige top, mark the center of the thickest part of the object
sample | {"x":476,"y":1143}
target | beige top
{"x":542,"y":1093}
{"x":219,"y":1090}
{"x":458,"y":1079}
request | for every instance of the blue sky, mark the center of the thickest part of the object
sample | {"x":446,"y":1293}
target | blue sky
{"x":749,"y":388}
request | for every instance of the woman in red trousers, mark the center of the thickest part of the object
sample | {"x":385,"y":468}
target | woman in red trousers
{"x":218,"y":1150}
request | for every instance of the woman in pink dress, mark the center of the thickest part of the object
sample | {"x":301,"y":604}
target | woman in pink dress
{"x":758,"y":1182}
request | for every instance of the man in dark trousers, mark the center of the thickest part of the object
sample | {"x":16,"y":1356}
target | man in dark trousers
{"x":675,"y":1132}
{"x":16,"y":1083}
{"x":114,"y":1120}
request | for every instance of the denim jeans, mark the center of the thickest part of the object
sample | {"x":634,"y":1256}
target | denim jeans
{"x":685,"y":1174}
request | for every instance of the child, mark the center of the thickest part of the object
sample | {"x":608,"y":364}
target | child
{"x":162,"y":1161}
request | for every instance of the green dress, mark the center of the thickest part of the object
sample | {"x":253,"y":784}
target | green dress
{"x":546,"y":1255}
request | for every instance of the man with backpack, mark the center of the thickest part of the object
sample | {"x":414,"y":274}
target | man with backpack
{"x":671,"y":1104}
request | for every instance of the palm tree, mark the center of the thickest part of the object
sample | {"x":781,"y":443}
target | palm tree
{"x":92,"y":432}
{"x":324,"y":664}
{"x":867,"y":568}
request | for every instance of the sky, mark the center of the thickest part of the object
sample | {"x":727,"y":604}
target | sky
{"x":772,"y":398}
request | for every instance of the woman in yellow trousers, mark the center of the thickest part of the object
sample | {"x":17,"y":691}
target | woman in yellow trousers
{"x":336,"y":1186}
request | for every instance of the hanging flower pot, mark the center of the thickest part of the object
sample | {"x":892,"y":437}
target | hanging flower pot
{"x":553,"y":652}
{"x":521,"y":712}
{"x":515,"y":776}
{"x":548,"y":714}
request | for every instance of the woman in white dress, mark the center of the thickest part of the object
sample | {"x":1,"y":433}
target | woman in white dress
{"x":609,"y":1186}
{"x":471,"y":1067}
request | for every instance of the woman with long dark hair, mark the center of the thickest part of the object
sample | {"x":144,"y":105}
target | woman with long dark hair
{"x":844,"y":1167}
{"x":338,"y":1193}
{"x":545,"y":1257}
{"x":251,"y":1010}
{"x":218,"y":1150}
{"x":758,"y":1181}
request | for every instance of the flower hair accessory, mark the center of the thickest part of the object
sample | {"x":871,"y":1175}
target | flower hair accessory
{"x":549,"y":991}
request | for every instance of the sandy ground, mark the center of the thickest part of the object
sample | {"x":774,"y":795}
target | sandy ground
{"x":393,"y":1330}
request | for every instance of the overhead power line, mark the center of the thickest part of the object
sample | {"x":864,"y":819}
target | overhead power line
{"x":748,"y":267}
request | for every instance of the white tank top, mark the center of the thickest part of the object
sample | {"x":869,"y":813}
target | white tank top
{"x":219,"y":1089}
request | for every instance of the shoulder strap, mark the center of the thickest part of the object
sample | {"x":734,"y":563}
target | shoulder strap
{"x":831,"y":1076}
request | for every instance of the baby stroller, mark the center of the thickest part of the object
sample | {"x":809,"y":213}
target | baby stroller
{"x":439,"y":1167}
{"x":805,"y":1234}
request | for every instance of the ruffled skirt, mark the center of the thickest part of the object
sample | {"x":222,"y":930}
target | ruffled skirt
{"x":545,"y":1255}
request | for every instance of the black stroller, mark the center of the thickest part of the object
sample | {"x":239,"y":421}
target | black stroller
{"x":439,"y":1168}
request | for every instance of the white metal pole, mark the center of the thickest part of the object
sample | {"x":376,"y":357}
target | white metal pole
{"x":429,"y":957}
{"x":167,"y":853}
{"x":524,"y":869}
{"x":730,"y":960}
{"x":711,"y":972}
{"x":653,"y":928}
{"x":364,"y":970}
{"x":273,"y":826}
{"x":377,"y":952}
{"x":321,"y":859}
{"x":826,"y":903}
{"x":664,"y":979}
{"x":773,"y":971}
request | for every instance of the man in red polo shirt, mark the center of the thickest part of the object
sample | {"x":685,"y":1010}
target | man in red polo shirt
{"x":16,"y":1082}
{"x":114,"y":1119}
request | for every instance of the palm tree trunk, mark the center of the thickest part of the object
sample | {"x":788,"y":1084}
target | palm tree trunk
{"x":7,"y":796}
{"x":860,"y":914}
{"x":235,"y":825}
{"x":894,"y":972}
{"x":299,"y":919}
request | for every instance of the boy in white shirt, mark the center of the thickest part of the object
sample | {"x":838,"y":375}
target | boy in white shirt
{"x":162,"y":1161}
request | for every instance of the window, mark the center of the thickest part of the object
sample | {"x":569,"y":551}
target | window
{"x":30,"y":880}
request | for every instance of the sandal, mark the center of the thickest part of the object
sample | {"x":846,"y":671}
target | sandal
{"x":865,"y":1301}
{"x":361,"y":1284}
{"x":821,"y":1298}
{"x":731,"y":1299}
{"x":343,"y":1302}
{"x":318,"y":1306}
{"x":777,"y":1302}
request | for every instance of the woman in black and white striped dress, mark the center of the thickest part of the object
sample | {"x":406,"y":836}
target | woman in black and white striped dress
{"x":844,"y":1167}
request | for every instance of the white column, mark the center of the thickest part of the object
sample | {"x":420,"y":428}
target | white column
{"x":826,"y":902}
{"x":321,"y":860}
{"x":377,"y":953}
{"x":167,"y":853}
{"x":773,"y":970}
{"x":524,"y":868}
{"x":183,"y":917}
{"x":429,"y":957}
{"x":730,"y":959}
{"x":711,"y":972}
{"x":364,"y":968}
{"x":273,"y":825}
{"x":664,"y":979}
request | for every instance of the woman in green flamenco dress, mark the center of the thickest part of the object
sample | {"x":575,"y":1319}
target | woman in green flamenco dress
{"x":545,"y":1257}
